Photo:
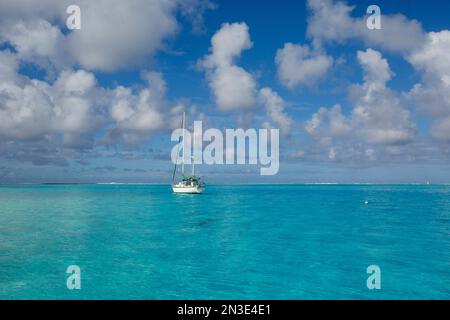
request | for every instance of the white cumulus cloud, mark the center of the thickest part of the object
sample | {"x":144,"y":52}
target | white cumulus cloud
{"x":275,"y":107}
{"x":233,"y":87}
{"x":432,"y":96}
{"x":31,"y":109}
{"x":377,"y":119}
{"x":114,"y":34}
{"x":331,"y":21}
{"x":139,"y":115}
{"x":299,"y":65}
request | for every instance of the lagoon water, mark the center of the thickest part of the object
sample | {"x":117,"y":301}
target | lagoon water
{"x":240,"y":242}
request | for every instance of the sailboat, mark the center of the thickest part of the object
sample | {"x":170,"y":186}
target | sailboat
{"x":189,"y":183}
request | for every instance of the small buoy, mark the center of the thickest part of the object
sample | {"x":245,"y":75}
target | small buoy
{"x":366,"y":202}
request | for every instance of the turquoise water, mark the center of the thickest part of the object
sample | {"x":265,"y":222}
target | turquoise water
{"x":240,"y":242}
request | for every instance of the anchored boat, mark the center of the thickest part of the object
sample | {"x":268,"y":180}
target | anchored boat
{"x":189,"y":183}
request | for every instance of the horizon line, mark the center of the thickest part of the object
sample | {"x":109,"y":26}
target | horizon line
{"x":246,"y":183}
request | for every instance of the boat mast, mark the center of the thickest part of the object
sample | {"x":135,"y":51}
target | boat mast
{"x":184,"y":144}
{"x":178,"y":152}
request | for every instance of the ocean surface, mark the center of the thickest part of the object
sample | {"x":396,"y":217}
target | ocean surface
{"x":232,"y":242}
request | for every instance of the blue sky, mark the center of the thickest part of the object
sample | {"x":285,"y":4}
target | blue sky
{"x":98,"y":104}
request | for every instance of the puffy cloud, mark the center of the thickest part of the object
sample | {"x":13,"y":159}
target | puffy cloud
{"x":69,"y":112}
{"x":74,"y":96}
{"x":327,"y":124}
{"x":233,"y":87}
{"x":378,"y":110}
{"x":432,"y":96}
{"x":275,"y":106}
{"x":50,"y":10}
{"x":299,"y":65}
{"x":31,"y":109}
{"x":377,"y":120}
{"x":228,"y":43}
{"x":338,"y":124}
{"x":427,"y":52}
{"x":333,"y":119}
{"x":8,"y":67}
{"x":329,"y":20}
{"x":315,"y":122}
{"x":376,"y":69}
{"x":137,"y":116}
{"x":194,"y":10}
{"x":114,"y":34}
{"x":37,"y":41}
{"x":25,"y":108}
{"x":433,"y":58}
{"x":332,"y":21}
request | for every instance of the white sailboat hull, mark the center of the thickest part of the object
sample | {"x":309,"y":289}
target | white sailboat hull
{"x":188,"y":189}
